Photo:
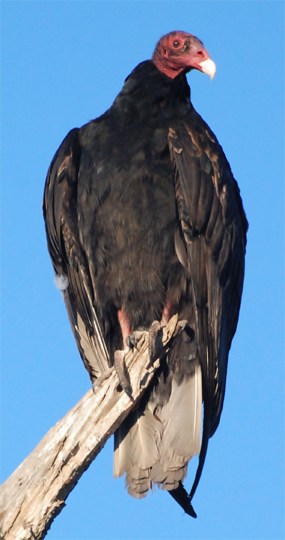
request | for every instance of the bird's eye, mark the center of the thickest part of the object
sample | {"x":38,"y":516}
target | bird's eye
{"x":176,"y":44}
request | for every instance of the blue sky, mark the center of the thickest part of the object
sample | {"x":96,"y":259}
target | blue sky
{"x":63,"y":63}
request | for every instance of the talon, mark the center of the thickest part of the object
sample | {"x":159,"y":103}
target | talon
{"x":122,"y":373}
{"x":133,"y":339}
{"x":130,"y":343}
{"x":188,"y":332}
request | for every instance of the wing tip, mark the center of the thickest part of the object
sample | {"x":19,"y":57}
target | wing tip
{"x":181,"y":496}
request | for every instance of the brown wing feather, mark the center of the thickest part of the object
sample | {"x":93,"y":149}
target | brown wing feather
{"x":68,"y":256}
{"x":214,"y":228}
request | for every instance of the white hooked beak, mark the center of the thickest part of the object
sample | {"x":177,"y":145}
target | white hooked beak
{"x":208,"y":67}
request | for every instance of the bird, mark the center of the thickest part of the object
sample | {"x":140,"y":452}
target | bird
{"x":144,"y":219}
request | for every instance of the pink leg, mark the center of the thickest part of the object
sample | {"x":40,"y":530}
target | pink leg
{"x":166,"y":314}
{"x":124,"y":324}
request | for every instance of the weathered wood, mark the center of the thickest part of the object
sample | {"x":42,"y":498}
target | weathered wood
{"x":35,"y":493}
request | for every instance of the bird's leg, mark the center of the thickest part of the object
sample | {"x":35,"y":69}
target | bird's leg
{"x":124,"y":324}
{"x":165,"y":318}
{"x":155,"y":346}
{"x":119,"y":356}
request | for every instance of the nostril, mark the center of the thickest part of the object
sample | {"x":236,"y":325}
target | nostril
{"x":200,"y":53}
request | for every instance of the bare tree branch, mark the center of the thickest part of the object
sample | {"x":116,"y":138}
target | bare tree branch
{"x":35,"y":493}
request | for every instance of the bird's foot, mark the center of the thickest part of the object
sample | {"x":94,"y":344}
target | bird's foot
{"x":155,"y":337}
{"x":97,"y":383}
{"x":122,"y":373}
{"x":155,"y":345}
{"x":119,"y":362}
{"x":133,"y":339}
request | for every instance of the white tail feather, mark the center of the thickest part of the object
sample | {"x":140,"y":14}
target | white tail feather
{"x":151,"y":450}
{"x":182,"y":418}
{"x":144,"y":449}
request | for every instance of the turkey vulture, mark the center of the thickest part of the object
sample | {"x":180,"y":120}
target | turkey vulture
{"x":144,"y":219}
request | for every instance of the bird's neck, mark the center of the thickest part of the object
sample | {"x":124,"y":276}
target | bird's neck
{"x":147,"y":92}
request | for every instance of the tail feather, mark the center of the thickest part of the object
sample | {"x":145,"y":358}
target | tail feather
{"x":143,"y":439}
{"x":156,"y":442}
{"x":174,"y":478}
{"x":182,"y":417}
{"x":138,"y":482}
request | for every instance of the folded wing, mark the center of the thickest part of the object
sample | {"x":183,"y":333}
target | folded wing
{"x":211,"y":242}
{"x":68,"y":255}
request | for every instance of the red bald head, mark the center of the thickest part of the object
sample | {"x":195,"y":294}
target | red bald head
{"x":179,"y":51}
